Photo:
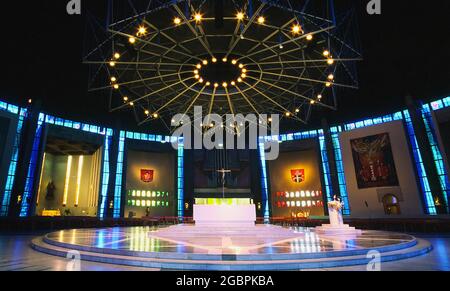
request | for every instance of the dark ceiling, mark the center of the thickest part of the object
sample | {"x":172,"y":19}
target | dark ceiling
{"x":405,"y":52}
{"x":64,"y":147}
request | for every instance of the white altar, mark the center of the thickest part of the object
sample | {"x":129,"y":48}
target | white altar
{"x":225,"y":215}
{"x":336,"y":226}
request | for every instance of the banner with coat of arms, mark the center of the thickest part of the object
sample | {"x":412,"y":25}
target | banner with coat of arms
{"x":298,"y":175}
{"x":147,"y":176}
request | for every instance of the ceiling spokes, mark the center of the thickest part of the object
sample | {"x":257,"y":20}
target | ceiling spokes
{"x":289,"y":61}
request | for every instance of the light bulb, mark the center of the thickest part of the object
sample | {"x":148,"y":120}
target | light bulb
{"x":296,"y":29}
{"x":198,"y":17}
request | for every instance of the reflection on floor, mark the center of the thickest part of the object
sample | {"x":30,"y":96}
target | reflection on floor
{"x":184,"y":239}
{"x":16,"y":255}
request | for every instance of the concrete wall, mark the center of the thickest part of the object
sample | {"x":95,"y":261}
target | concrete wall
{"x":163,"y":165}
{"x":408,"y":191}
{"x":281,"y":180}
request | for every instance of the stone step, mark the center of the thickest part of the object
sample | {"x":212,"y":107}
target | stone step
{"x":228,"y":264}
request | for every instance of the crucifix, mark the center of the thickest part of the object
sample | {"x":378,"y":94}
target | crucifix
{"x":224,"y":172}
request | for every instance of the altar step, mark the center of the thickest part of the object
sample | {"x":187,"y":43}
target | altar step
{"x":261,"y":231}
{"x":237,"y":262}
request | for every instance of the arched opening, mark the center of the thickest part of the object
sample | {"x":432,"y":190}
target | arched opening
{"x":391,"y":205}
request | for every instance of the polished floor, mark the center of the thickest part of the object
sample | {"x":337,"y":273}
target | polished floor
{"x":193,"y":240}
{"x":16,"y":255}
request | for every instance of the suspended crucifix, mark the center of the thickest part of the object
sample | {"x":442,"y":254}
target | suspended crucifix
{"x":224,"y":172}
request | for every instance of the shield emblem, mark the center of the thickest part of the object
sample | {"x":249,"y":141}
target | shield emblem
{"x":298,"y":175}
{"x":147,"y":176}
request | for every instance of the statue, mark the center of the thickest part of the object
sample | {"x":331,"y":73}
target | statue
{"x":50,"y":191}
{"x":336,"y":226}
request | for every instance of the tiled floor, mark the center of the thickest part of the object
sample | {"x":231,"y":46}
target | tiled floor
{"x":16,"y":255}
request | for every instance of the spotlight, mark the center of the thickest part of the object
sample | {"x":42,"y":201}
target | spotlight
{"x":125,"y":99}
{"x":312,"y":102}
{"x":142,"y":31}
{"x":240,"y":80}
{"x":177,"y":21}
{"x":330,"y":77}
{"x":261,"y":20}
{"x":205,"y":62}
{"x":198,"y":17}
{"x":199,"y":66}
{"x":328,"y":84}
{"x":117,"y":56}
{"x":241,"y":66}
{"x":233,"y":83}
{"x":197,"y":77}
{"x":240,"y":16}
{"x":296,"y":29}
{"x":297,"y":110}
{"x":270,"y":119}
{"x":112,"y":63}
{"x":244,"y":70}
{"x":214,"y":60}
{"x":225,"y":84}
{"x":288,"y":114}
{"x":244,"y":76}
{"x":319,"y":97}
{"x":208,"y":83}
{"x":30,"y":101}
{"x":116,"y":86}
{"x":326,"y":53}
{"x":132,"y":40}
{"x":155,"y":115}
{"x":113,"y":79}
{"x":196,"y":72}
{"x":147,"y":112}
{"x":201,"y":80}
{"x":234,"y":62}
{"x":131,"y":103}
{"x":216,"y":85}
{"x":330,"y":61}
{"x":309,"y":37}
{"x":224,"y":60}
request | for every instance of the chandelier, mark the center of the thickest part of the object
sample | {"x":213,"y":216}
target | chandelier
{"x":237,"y":57}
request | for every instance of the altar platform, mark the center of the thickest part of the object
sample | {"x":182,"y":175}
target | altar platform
{"x":261,"y":247}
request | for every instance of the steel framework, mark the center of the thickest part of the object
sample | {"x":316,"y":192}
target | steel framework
{"x":147,"y":57}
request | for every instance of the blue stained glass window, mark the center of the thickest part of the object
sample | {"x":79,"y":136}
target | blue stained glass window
{"x":29,"y":182}
{"x":340,"y":167}
{"x":437,"y":156}
{"x":180,"y":179}
{"x":264,"y":184}
{"x":423,"y":178}
{"x":105,"y":180}
{"x":119,"y":174}
{"x":6,"y":199}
